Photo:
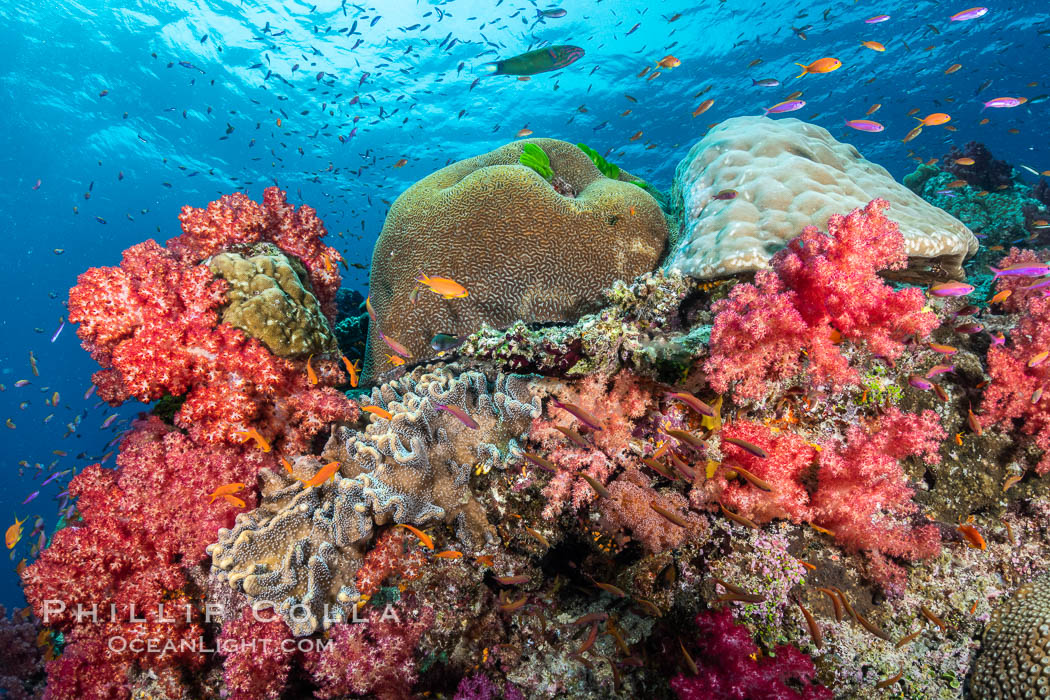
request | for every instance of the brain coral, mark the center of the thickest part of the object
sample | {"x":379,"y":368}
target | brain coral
{"x":788,"y":175}
{"x":521,"y":249}
{"x":301,"y":548}
{"x":1014,"y":661}
{"x":270,"y":298}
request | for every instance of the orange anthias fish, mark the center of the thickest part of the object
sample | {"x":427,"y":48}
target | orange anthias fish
{"x":352,"y":370}
{"x":821,"y":65}
{"x":524,"y":132}
{"x":253,"y":434}
{"x":376,"y":410}
{"x":323,"y":474}
{"x":873,"y":45}
{"x":395,"y":360}
{"x":14,"y":533}
{"x":423,"y":537}
{"x":445,"y":288}
{"x":234,"y":501}
{"x":310,"y":374}
{"x":935,"y":119}
{"x":224,"y":490}
{"x":669,"y":61}
{"x":401,"y":163}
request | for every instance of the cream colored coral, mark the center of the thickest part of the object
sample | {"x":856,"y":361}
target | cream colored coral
{"x":788,"y":175}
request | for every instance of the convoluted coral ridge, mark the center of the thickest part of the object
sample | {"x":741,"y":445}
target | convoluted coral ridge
{"x":787,"y":175}
{"x":270,"y":298}
{"x":300,"y":550}
{"x":513,"y":241}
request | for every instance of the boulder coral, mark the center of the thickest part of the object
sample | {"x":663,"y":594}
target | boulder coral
{"x":786,"y":175}
{"x":522,"y":250}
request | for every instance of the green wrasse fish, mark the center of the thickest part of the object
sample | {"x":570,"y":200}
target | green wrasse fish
{"x":538,"y":61}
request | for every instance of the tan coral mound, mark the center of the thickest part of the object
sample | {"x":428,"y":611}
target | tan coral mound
{"x":788,"y":175}
{"x":300,"y":550}
{"x":521,"y":249}
{"x":1014,"y":661}
{"x":270,"y":299}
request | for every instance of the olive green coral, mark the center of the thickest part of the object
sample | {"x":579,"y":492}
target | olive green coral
{"x":520,"y":248}
{"x":270,"y":298}
{"x":1014,"y":661}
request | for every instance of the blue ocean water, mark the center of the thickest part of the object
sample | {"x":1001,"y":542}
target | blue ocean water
{"x":118,"y":114}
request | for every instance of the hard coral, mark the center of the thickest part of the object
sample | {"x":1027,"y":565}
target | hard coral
{"x":729,"y":667}
{"x":819,"y":288}
{"x":152,"y":323}
{"x":986,"y":173}
{"x":788,"y":174}
{"x":513,"y":241}
{"x":1014,"y":395}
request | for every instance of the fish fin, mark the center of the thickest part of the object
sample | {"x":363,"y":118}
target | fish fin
{"x":805,"y":69}
{"x":491,"y":68}
{"x":995,"y":271}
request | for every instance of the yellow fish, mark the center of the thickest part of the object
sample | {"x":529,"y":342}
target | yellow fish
{"x":253,"y":434}
{"x":14,"y":533}
{"x":224,"y":490}
{"x":324,"y":474}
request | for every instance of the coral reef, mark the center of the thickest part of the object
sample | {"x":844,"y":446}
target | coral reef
{"x":301,"y":549}
{"x":501,"y":231}
{"x":806,"y":176}
{"x":822,"y":290}
{"x":1011,"y":663}
{"x":269,"y":298}
{"x":985,"y":173}
{"x":153,"y":325}
{"x":728,"y":668}
{"x":21,"y":657}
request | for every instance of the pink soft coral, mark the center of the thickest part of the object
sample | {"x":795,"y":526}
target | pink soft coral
{"x":818,"y":286}
{"x":259,"y":652}
{"x":854,"y":487}
{"x":374,"y":657}
{"x":629,"y":507}
{"x":1011,"y":396}
{"x":730,"y":667}
{"x":142,"y":524}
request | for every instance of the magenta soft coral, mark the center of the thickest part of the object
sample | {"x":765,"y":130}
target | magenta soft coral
{"x":819,"y":285}
{"x":142,"y":524}
{"x":152,"y":323}
{"x":730,"y":666}
{"x":1011,"y":396}
{"x":258,"y":650}
{"x":374,"y":657}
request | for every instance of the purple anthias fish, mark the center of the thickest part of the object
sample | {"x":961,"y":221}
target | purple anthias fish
{"x":1034,"y":269}
{"x":865,"y":125}
{"x":459,"y":414}
{"x":61,"y":325}
{"x":951,"y":289}
{"x":876,"y":19}
{"x":972,"y":13}
{"x":939,"y":369}
{"x":31,"y":497}
{"x":765,"y":82}
{"x":581,"y":415}
{"x":789,"y":106}
{"x":1002,"y":102}
{"x":920,"y":383}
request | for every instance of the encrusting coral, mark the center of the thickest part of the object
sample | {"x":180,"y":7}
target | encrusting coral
{"x":505,"y":234}
{"x":301,"y":549}
{"x":752,"y":183}
{"x":269,"y":298}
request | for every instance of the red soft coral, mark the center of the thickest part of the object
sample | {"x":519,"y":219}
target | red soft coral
{"x":729,"y":666}
{"x":152,"y":323}
{"x":142,"y":524}
{"x":1008,"y":400}
{"x":818,"y":286}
